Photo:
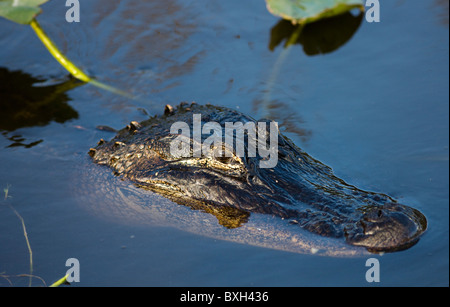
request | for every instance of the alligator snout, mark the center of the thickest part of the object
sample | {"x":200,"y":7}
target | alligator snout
{"x":391,"y":227}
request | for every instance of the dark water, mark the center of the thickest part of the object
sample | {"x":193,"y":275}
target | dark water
{"x":374,"y":107}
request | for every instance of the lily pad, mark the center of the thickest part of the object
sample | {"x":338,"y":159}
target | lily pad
{"x":306,"y":11}
{"x":20,"y":11}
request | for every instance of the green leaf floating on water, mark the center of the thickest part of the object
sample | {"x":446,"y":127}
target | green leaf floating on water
{"x":20,"y":11}
{"x":306,"y":11}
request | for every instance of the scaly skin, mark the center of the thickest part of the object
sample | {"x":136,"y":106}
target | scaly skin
{"x":300,"y":190}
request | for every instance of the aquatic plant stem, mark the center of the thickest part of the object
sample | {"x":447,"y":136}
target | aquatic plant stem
{"x":69,"y":66}
{"x":59,"y":282}
{"x":295,"y":35}
{"x":25,"y":234}
{"x":277,"y":67}
{"x":61,"y":58}
{"x":112,"y":89}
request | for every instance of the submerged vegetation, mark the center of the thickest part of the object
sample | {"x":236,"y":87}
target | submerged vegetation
{"x":30,"y":275}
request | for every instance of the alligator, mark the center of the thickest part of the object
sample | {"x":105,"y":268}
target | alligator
{"x":299,"y":190}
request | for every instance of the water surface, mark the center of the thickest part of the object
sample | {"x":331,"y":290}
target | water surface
{"x":375,"y":109}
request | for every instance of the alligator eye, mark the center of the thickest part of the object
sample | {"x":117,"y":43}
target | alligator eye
{"x":224,"y":160}
{"x":225,"y":156}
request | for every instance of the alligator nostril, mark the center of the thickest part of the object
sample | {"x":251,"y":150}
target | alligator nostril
{"x":388,"y":228}
{"x":374,"y":216}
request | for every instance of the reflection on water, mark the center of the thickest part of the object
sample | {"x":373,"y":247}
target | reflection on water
{"x":442,"y":5}
{"x":18,"y":140}
{"x":320,"y":37}
{"x":147,"y":40}
{"x":24,"y":103}
{"x":286,"y":117}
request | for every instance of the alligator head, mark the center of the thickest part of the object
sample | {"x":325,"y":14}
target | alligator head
{"x":298,"y":188}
